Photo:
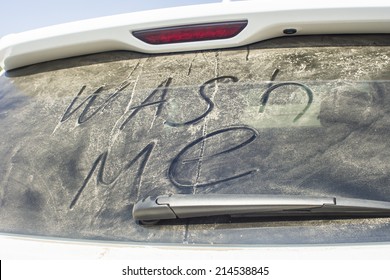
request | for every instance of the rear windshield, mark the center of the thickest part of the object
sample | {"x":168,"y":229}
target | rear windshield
{"x":83,"y":139}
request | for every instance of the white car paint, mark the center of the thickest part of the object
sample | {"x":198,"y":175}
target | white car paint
{"x":266,"y":19}
{"x":28,"y":247}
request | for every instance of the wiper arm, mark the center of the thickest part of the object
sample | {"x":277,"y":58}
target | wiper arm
{"x":189,"y":206}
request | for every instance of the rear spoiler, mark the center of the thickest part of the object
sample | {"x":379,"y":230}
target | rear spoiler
{"x":260,"y":20}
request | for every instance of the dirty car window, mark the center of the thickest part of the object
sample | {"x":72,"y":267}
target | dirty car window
{"x":85,"y":138}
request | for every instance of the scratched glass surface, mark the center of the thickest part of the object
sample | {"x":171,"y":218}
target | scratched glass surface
{"x":83,"y":139}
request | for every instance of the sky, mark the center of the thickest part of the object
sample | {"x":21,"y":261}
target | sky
{"x":23,"y":15}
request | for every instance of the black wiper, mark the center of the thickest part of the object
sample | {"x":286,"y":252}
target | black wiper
{"x":189,"y":206}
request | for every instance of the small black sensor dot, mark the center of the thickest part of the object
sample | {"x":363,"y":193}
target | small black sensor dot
{"x":289,"y":31}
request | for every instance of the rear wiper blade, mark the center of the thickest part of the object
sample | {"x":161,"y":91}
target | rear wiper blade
{"x":152,"y":209}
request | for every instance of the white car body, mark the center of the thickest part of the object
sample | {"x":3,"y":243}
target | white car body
{"x":266,"y":19}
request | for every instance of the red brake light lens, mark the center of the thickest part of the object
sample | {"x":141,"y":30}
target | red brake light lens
{"x":191,"y":33}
